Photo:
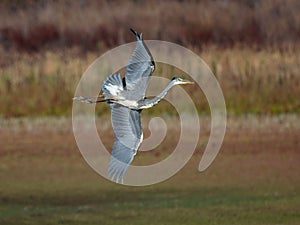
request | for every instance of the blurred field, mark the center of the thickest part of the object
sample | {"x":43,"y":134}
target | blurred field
{"x":93,"y":25}
{"x":259,"y":82}
{"x":251,"y":46}
{"x":254,"y":180}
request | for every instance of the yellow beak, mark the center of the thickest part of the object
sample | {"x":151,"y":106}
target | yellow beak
{"x":187,"y":82}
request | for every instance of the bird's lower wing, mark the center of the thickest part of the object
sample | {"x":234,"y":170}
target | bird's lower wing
{"x":120,"y":160}
{"x":128,"y":137}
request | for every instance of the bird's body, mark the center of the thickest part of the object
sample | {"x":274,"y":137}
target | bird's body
{"x":126,"y":97}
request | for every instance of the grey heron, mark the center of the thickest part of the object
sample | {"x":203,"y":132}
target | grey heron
{"x":126,"y":97}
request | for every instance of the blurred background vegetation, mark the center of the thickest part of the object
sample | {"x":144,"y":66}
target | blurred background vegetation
{"x":252,"y":46}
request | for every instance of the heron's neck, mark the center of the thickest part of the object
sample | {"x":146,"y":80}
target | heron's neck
{"x":165,"y":91}
{"x":147,"y":103}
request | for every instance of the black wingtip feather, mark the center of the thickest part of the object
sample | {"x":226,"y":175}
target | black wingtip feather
{"x":136,"y":34}
{"x":133,"y":31}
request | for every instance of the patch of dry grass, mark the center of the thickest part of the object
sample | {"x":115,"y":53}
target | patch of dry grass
{"x":252,"y":81}
{"x":251,"y":46}
{"x":264,"y":81}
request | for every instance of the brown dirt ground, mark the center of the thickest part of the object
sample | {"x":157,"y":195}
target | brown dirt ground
{"x":266,"y":153}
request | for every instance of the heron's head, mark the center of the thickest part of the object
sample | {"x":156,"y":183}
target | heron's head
{"x":179,"y":80}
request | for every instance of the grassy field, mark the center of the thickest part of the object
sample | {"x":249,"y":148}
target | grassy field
{"x":254,"y":180}
{"x":259,"y":82}
{"x":251,"y":46}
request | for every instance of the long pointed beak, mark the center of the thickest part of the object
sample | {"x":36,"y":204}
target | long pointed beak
{"x":187,"y":82}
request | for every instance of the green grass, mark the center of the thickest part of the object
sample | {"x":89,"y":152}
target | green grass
{"x":206,"y":206}
{"x":54,"y":193}
{"x":255,"y":180}
{"x":151,"y":205}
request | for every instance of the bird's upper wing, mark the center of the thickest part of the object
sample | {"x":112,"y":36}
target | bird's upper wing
{"x":128,"y":137}
{"x":139,"y":69}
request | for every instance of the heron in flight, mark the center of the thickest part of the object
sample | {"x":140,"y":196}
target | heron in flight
{"x":126,"y":97}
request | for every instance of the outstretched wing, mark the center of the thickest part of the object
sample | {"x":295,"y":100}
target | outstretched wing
{"x":112,"y":86}
{"x":128,"y":137}
{"x":139,"y":69}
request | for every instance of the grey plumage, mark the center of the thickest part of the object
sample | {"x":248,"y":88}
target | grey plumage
{"x":128,"y":137}
{"x":126,"y":97}
{"x":138,"y":70}
{"x":126,"y":120}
